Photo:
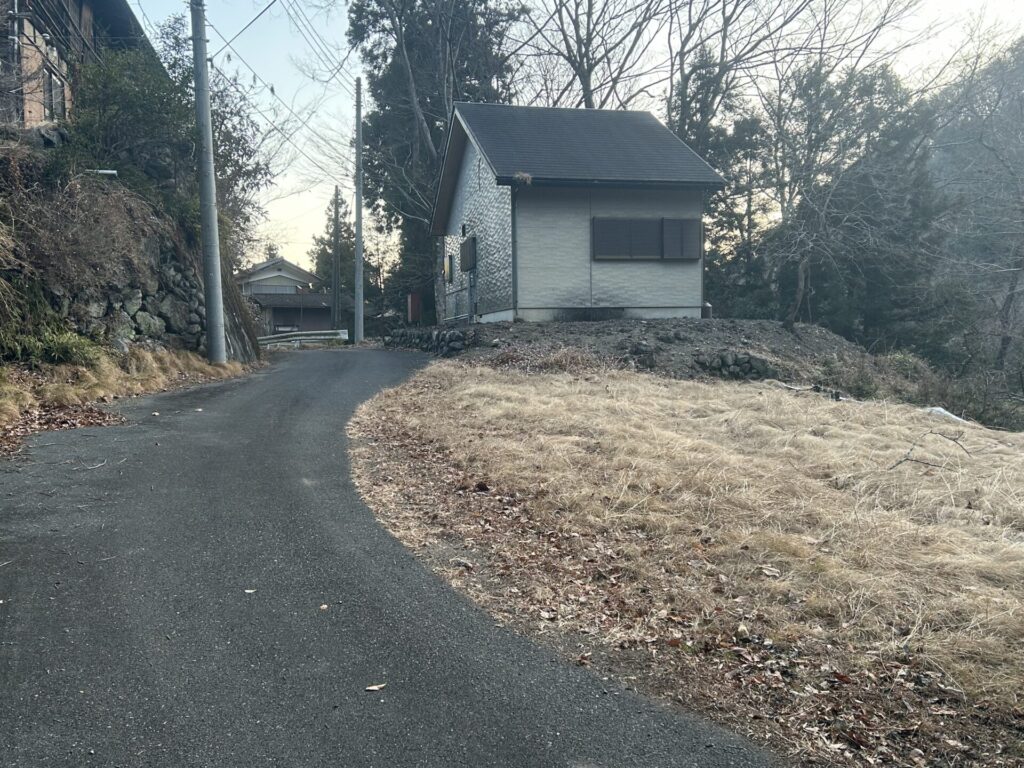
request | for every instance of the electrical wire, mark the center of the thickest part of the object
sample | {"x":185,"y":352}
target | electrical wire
{"x":304,"y":122}
{"x":328,"y":174}
{"x":240,"y":32}
{"x":320,"y":47}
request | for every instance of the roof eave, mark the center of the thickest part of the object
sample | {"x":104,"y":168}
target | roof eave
{"x":518,"y":181}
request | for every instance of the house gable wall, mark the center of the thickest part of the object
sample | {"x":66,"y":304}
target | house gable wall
{"x":557,"y":275}
{"x":485,"y":209}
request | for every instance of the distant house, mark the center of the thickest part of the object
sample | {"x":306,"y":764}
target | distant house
{"x":284,"y":294}
{"x":46,"y":41}
{"x":568,"y":214}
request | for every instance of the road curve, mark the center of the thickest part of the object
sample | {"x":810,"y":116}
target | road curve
{"x":204,"y":588}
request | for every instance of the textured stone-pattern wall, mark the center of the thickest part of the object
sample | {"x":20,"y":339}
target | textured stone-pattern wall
{"x":485,"y":209}
{"x":556,"y":270}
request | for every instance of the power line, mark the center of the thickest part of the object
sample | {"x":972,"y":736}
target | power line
{"x":274,"y":125}
{"x":240,"y":32}
{"x":320,"y":48}
{"x":304,"y":122}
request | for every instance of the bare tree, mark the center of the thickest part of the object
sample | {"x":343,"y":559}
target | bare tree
{"x":602,"y":49}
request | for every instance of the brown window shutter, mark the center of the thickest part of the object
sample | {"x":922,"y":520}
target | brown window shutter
{"x":645,"y":239}
{"x":467,"y":255}
{"x":683,"y":239}
{"x":693,"y":239}
{"x":672,"y":235}
{"x":610,"y":238}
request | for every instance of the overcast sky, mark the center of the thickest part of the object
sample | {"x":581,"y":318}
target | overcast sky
{"x":277,"y":45}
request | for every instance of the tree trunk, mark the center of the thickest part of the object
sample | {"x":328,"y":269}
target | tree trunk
{"x":798,"y":297}
{"x":1006,"y":316}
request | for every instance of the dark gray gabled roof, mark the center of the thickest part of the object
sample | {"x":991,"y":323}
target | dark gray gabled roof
{"x":569,"y":147}
{"x":584,"y":145}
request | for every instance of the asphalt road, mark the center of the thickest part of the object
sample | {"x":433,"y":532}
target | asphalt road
{"x":161,"y":593}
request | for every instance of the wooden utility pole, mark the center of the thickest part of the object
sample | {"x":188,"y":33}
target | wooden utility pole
{"x":215,"y":345}
{"x":359,"y":211}
{"x":336,"y":263}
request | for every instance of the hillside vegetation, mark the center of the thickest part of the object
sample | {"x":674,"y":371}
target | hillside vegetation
{"x":843,"y":580}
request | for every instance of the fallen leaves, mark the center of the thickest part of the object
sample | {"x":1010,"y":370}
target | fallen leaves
{"x":52,"y":419}
{"x":700,"y":641}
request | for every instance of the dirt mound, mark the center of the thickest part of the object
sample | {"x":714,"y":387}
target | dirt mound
{"x":687,"y":348}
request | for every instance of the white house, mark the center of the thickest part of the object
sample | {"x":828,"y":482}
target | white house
{"x":568,"y":214}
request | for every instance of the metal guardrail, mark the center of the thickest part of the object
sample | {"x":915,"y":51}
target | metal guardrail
{"x":298,"y":338}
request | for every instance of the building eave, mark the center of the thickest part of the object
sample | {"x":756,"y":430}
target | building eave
{"x":521,"y":183}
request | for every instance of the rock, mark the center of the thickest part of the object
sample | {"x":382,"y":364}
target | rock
{"x":194,"y":329}
{"x":131,"y":301}
{"x":92,"y":328}
{"x":728,"y":359}
{"x":120,"y":326}
{"x":665,"y":338}
{"x":121,"y":346}
{"x":175,"y":312}
{"x":149,"y":325}
{"x":455,"y":346}
{"x":149,"y":285}
{"x":95,"y":308}
{"x":194,"y":318}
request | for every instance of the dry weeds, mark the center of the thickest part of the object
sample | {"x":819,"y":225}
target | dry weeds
{"x":844,"y":581}
{"x":61,"y":396}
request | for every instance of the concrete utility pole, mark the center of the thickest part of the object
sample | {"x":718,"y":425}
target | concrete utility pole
{"x":359,"y":210}
{"x":336,"y":262}
{"x":215,"y":347}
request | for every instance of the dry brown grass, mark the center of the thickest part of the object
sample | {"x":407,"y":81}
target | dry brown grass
{"x":138,"y":372}
{"x":862,"y":538}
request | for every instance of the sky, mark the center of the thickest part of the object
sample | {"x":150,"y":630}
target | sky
{"x":278,"y":49}
{"x":281,"y":45}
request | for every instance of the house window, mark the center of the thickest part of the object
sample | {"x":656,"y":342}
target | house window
{"x":645,"y":239}
{"x":59,"y":106}
{"x":449,"y":267}
{"x":467,"y":255}
{"x":47,"y":96}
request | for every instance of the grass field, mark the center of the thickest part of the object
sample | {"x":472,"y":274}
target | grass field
{"x":793,"y":552}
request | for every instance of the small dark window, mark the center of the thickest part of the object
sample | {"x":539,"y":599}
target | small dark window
{"x":610,"y":238}
{"x":449,"y":267}
{"x":59,"y":103}
{"x":47,"y":96}
{"x":626,"y":238}
{"x":683,"y":239}
{"x":467,"y":255}
{"x":646,"y":239}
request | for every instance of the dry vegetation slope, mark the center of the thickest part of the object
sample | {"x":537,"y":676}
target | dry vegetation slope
{"x":63,"y":396}
{"x":843,"y":580}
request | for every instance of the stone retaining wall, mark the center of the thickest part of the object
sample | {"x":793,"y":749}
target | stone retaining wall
{"x":444,"y":342}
